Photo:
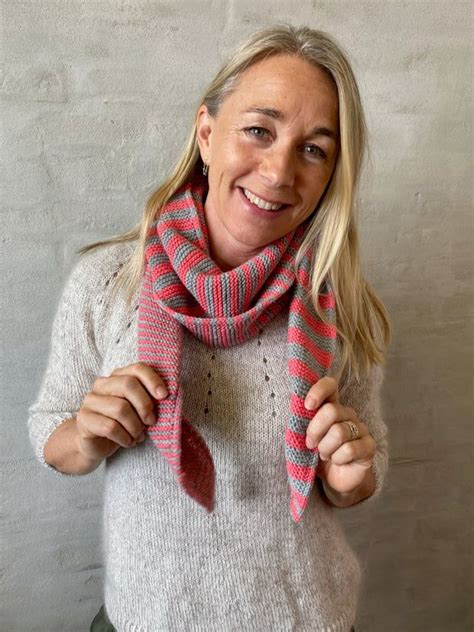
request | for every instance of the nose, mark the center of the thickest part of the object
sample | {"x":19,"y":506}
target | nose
{"x":277,"y":167}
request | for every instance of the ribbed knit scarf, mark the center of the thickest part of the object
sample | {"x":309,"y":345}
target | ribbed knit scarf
{"x":183,"y":287}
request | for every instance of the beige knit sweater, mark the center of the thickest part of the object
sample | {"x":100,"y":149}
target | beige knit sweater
{"x":169,"y":565}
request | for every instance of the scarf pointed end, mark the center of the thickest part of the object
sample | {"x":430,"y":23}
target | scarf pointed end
{"x":296,"y":512}
{"x":208,"y":502}
{"x":209,"y":507}
{"x":297,"y":506}
{"x":204,"y":494}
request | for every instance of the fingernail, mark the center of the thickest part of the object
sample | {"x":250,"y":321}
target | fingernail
{"x":310,"y":404}
{"x":141,"y":437}
{"x":161,"y":392}
{"x":310,"y":443}
{"x":150,"y":420}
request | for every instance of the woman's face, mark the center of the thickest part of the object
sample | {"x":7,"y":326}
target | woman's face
{"x":271,"y":151}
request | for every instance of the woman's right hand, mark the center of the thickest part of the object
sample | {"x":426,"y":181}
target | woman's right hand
{"x":116,"y":412}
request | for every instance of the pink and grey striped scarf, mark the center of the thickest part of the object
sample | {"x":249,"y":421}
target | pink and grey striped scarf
{"x":183,"y":287}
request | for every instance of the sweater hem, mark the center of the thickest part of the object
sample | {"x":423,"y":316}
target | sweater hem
{"x":343,"y":624}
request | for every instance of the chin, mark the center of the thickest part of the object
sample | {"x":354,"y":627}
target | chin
{"x":250,"y":240}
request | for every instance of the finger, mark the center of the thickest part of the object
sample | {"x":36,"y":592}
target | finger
{"x":326,"y":389}
{"x":338,"y":435}
{"x":327,"y":416}
{"x":117,"y":408}
{"x":91,"y":425}
{"x":131,"y":388}
{"x":361,"y":450}
{"x":147,"y":375}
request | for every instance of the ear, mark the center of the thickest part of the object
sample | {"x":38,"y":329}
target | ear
{"x":204,"y":125}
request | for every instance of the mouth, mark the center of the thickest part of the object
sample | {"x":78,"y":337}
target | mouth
{"x":262,"y":203}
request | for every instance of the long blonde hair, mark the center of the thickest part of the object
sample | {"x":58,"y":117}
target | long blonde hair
{"x":362,"y":321}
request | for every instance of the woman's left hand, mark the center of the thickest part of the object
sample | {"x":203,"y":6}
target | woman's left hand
{"x":343,"y":463}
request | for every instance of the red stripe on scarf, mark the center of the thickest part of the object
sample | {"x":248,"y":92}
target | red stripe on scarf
{"x":301,"y":338}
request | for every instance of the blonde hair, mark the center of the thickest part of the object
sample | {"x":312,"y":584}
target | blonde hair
{"x":362,"y":321}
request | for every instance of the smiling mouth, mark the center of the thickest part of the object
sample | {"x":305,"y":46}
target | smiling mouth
{"x":265,"y":205}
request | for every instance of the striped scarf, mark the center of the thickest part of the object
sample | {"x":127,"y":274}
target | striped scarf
{"x":183,"y":287}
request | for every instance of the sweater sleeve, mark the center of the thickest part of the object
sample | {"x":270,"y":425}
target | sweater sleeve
{"x":74,"y":359}
{"x":364,"y":397}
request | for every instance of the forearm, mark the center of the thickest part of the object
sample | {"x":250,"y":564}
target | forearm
{"x":347,"y":499}
{"x":62,"y":452}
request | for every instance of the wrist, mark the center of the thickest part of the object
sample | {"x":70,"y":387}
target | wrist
{"x":62,"y":451}
{"x":346,"y":499}
{"x":84,"y":461}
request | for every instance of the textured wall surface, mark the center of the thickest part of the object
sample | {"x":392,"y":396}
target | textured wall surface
{"x":96,"y":100}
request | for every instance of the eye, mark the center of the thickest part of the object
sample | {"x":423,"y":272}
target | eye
{"x":258,"y":132}
{"x":314,"y":151}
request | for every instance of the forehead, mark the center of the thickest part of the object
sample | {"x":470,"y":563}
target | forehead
{"x":287,"y":81}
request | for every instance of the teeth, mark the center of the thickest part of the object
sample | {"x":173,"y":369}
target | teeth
{"x":266,"y":206}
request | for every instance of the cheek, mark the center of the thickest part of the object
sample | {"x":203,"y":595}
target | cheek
{"x":236,"y":160}
{"x":315,"y":187}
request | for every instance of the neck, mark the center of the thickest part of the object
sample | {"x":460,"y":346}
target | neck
{"x":225,"y":251}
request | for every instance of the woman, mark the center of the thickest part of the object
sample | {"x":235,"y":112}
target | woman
{"x":238,"y":398}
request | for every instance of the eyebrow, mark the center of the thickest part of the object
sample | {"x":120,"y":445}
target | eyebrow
{"x":277,"y":115}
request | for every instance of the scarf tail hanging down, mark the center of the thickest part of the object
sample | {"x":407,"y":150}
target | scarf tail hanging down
{"x":182,"y":286}
{"x":159,"y":345}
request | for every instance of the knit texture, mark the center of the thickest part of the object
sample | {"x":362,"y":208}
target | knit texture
{"x":168,"y":565}
{"x":183,"y":287}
